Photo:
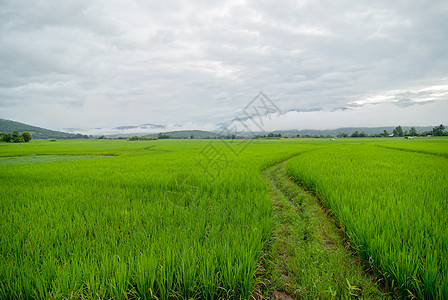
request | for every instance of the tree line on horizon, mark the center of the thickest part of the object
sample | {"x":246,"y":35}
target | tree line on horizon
{"x":15,"y":137}
{"x":398,"y":132}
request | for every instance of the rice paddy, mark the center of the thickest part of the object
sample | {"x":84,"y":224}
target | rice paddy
{"x":182,"y":219}
{"x":393,"y":206}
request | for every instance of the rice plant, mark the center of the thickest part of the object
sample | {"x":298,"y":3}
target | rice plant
{"x":110,"y":228}
{"x":191,"y":218}
{"x":392,"y":204}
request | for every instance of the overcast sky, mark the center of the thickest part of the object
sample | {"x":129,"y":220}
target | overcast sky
{"x":325,"y":64}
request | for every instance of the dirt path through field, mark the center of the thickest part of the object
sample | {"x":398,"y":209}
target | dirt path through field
{"x":309,"y":257}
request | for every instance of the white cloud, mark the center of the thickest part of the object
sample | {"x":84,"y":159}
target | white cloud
{"x":412,"y":96}
{"x":371,"y":115}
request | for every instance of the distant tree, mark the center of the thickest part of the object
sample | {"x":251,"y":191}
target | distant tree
{"x":385,"y":133}
{"x":7,"y":137}
{"x":355,"y":134}
{"x":26,"y":137}
{"x":438,"y":130}
{"x":298,"y":135}
{"x":81,"y":136}
{"x":15,"y":137}
{"x":398,"y":131}
{"x":192,"y":136}
{"x":342,"y":135}
{"x":413,"y":131}
{"x":363,"y":134}
{"x":270,"y":134}
{"x":141,"y":138}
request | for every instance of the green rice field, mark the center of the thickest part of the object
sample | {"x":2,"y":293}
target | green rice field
{"x":192,"y":219}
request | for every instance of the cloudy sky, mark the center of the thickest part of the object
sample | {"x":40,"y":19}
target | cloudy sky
{"x":325,"y":64}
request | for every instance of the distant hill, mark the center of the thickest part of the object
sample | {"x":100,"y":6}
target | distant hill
{"x":284,"y":133}
{"x":188,"y":133}
{"x":348,"y":130}
{"x":8,"y":126}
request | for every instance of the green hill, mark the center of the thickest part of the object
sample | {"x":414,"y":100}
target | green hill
{"x":8,"y":126}
{"x":348,"y":130}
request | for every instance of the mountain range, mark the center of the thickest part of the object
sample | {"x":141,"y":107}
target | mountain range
{"x":8,"y":126}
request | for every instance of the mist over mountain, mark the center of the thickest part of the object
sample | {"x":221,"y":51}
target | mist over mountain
{"x":183,"y":131}
{"x":131,"y":130}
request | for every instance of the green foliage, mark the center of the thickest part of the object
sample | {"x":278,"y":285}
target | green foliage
{"x":437,"y":146}
{"x":5,"y":137}
{"x":142,"y":138}
{"x":398,"y":131}
{"x":162,"y":136}
{"x":439,"y":130}
{"x":392,"y":205}
{"x":111,"y":228}
{"x":15,"y":137}
{"x":36,"y":159}
{"x":37,"y":132}
{"x":358,"y":134}
{"x":308,"y":257}
{"x":272,"y":135}
{"x":413,"y":131}
{"x":154,"y":221}
{"x":26,"y":137}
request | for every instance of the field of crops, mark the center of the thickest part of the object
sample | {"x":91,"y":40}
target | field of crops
{"x":149,"y":221}
{"x":392,"y":204}
{"x":437,"y":146}
{"x":191,"y":218}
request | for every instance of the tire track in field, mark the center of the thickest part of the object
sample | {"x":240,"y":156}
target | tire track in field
{"x":309,"y":256}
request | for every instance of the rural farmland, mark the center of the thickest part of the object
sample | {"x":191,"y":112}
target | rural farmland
{"x":201,"y":219}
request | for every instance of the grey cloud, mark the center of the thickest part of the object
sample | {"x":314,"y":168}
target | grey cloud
{"x":202,"y":61}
